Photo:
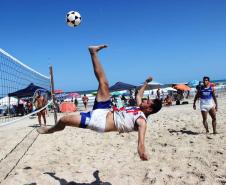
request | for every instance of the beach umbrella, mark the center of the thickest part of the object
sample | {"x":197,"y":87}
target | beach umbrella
{"x":152,"y":85}
{"x":58,"y":91}
{"x":61,"y":96}
{"x":193,"y":83}
{"x":169,"y":89}
{"x":155,"y":83}
{"x":182,"y":87}
{"x":116,"y":93}
{"x":73,"y":95}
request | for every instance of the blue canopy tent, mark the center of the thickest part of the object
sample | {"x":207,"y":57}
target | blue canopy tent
{"x":119,"y":86}
{"x":27,"y":92}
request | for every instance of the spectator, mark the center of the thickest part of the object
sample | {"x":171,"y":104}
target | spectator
{"x":40,"y":102}
{"x":168,"y":101}
{"x":85,"y":100}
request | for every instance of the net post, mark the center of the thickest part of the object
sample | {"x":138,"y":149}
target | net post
{"x":53,"y":94}
{"x":9,"y":106}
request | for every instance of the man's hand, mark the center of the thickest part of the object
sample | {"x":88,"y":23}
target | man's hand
{"x":143,"y":155}
{"x":149,"y":79}
{"x":194,"y":106}
{"x":216,"y":108}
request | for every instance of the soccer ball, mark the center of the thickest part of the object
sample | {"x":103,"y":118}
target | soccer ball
{"x":73,"y":18}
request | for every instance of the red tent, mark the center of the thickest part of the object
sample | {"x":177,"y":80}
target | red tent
{"x":67,"y":107}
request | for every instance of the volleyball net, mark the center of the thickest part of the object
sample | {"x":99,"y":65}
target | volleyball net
{"x":18,"y":87}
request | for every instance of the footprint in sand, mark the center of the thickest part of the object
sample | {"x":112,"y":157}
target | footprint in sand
{"x":219,"y":152}
{"x":221,"y":179}
{"x":149,"y":178}
{"x":163,"y":144}
{"x":199,"y":175}
{"x":189,"y":164}
{"x":208,"y":137}
{"x":174,"y":150}
{"x":27,"y":168}
{"x":202,"y":161}
{"x":214,"y":163}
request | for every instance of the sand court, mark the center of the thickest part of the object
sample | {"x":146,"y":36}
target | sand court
{"x":180,"y":152}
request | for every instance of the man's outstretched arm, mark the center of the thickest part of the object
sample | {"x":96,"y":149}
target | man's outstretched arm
{"x":215,"y":99}
{"x":141,"y":91}
{"x":195,"y":99}
{"x":142,"y":125}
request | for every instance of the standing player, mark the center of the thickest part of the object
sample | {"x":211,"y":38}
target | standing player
{"x":208,"y":103}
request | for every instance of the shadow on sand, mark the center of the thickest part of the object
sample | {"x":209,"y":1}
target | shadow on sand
{"x":37,"y":125}
{"x":189,"y":132}
{"x":64,"y":182}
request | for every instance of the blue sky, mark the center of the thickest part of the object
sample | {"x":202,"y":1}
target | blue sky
{"x":172,"y":40}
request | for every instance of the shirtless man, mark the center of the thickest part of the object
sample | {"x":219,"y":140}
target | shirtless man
{"x":40,"y":102}
{"x":102,"y":119}
{"x":208,"y":103}
{"x":85,"y":100}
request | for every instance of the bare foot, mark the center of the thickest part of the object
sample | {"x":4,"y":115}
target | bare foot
{"x":94,"y":49}
{"x":43,"y":130}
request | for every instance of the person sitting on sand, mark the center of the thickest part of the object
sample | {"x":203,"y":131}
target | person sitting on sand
{"x":208,"y":103}
{"x":168,"y":101}
{"x":102,"y":119}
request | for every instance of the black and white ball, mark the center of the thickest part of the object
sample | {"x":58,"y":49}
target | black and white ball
{"x":73,"y":18}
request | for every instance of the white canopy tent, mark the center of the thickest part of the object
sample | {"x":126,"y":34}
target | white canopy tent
{"x":6,"y":101}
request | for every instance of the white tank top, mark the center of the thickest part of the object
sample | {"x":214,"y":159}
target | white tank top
{"x":125,"y":119}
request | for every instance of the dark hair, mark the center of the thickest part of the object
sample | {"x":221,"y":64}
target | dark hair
{"x":206,"y":77}
{"x":156,"y":106}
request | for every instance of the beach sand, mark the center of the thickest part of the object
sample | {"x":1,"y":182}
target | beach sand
{"x":180,"y":153}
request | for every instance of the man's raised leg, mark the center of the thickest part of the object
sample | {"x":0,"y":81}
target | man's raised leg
{"x":103,"y":88}
{"x":102,"y":94}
